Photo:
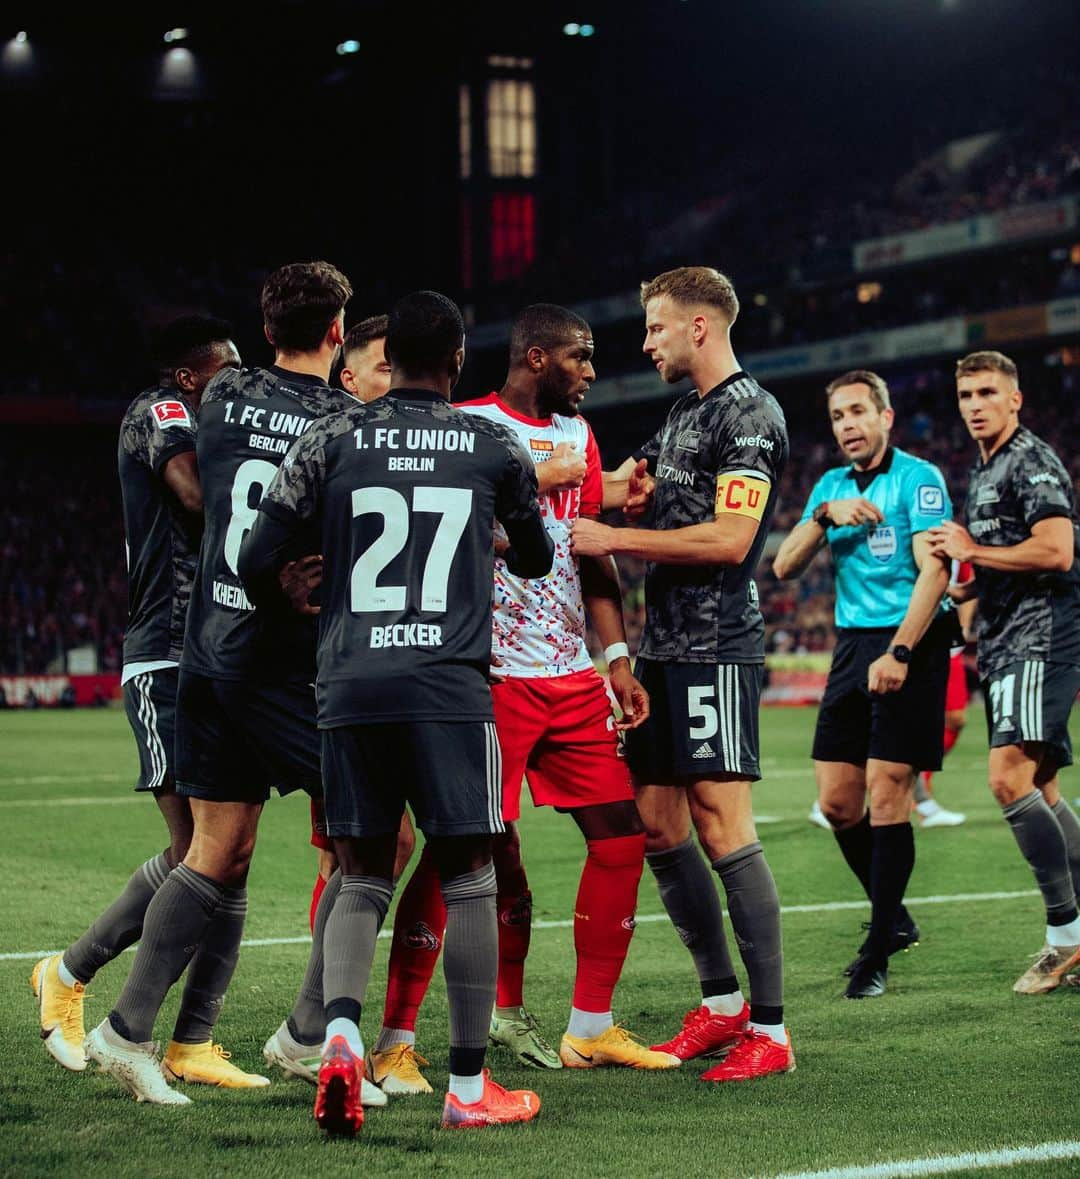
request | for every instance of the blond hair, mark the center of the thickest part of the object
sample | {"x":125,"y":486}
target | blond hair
{"x":692,"y":285}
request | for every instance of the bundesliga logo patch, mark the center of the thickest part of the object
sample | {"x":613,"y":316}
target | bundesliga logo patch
{"x":931,"y":500}
{"x":171,"y":413}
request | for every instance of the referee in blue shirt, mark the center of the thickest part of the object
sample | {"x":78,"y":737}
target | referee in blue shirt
{"x":882,"y":716}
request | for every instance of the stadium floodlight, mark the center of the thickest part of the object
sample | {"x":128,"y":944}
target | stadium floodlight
{"x":586,"y":31}
{"x":572,"y":29}
{"x":347,"y":47}
{"x":173,"y":36}
{"x":21,"y":37}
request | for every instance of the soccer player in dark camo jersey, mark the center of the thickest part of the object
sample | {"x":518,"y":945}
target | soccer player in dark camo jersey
{"x":717,"y":462}
{"x":1021,"y":536}
{"x":245,"y":707}
{"x":162,"y":505}
{"x":405,"y":492}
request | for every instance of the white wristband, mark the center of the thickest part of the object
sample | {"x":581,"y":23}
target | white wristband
{"x":616,"y":651}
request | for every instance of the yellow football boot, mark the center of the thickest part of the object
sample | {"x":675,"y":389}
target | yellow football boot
{"x":397,"y":1071}
{"x":613,"y":1047}
{"x":207,"y":1064}
{"x":60,"y":1010}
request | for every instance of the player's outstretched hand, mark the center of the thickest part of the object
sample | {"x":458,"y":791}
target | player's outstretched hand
{"x":950,"y":539}
{"x":632,"y":697}
{"x":298,"y":580}
{"x":639,"y":492}
{"x":886,"y":674}
{"x":845,"y":512}
{"x":565,"y":469}
{"x":590,"y":538}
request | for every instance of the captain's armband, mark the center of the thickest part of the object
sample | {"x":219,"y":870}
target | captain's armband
{"x":742,"y":493}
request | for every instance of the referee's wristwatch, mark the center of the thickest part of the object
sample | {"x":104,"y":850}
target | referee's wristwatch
{"x":900,"y":653}
{"x":821,"y":516}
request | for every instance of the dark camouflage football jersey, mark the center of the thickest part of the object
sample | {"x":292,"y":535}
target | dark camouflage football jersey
{"x":406,"y":491}
{"x":722,"y":452}
{"x":248,"y":419}
{"x":1023,"y":615}
{"x":161,"y":537}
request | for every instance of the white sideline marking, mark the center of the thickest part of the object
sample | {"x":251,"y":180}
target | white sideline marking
{"x":51,"y":779}
{"x":1044,"y":1152}
{"x":123,"y":800}
{"x":960,"y":898}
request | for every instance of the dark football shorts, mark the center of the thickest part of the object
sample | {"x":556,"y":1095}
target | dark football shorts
{"x":907,"y":726}
{"x":703,"y":721}
{"x":449,"y":772}
{"x":1031,"y":700}
{"x":235,"y":742}
{"x":150,"y":704}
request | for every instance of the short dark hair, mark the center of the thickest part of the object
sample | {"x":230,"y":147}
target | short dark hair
{"x":424,"y":331}
{"x":879,"y":391}
{"x":543,"y":325}
{"x":187,"y":341}
{"x":361,"y":334}
{"x":988,"y":361}
{"x":300,"y":302}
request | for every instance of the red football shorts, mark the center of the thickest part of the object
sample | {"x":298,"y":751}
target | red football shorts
{"x":956,"y":693}
{"x":559,"y":734}
{"x":319,"y":838}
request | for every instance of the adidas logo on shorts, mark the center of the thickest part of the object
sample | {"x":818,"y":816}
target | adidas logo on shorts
{"x":704,"y":750}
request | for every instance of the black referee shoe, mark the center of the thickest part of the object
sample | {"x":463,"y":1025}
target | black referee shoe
{"x":905,"y":935}
{"x":867,"y":980}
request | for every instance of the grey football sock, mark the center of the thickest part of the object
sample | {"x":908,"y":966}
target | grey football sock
{"x":175,"y":922}
{"x":1042,"y":843}
{"x":121,"y":923}
{"x":307,"y":1020}
{"x":754,"y":907}
{"x":211,"y":970}
{"x":471,"y":955}
{"x":921,"y":793}
{"x":349,"y":942}
{"x":1070,"y":828}
{"x":688,"y":893}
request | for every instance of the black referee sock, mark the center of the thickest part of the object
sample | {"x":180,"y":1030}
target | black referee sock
{"x":1070,"y":828}
{"x":1041,"y":840}
{"x":857,"y":845}
{"x":349,"y":941}
{"x":211,"y":970}
{"x":688,"y":893}
{"x":894,"y":860}
{"x":470,"y":964}
{"x":121,"y":923}
{"x":175,"y":922}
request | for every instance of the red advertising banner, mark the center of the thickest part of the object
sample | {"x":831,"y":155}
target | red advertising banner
{"x":50,"y":691}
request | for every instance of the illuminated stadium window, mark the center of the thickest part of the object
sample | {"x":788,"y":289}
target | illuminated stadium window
{"x":465,"y":131}
{"x":512,"y":224}
{"x":511,"y":127}
{"x":868,"y":292}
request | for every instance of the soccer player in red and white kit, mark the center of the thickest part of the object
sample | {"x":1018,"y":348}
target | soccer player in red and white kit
{"x":556,"y":728}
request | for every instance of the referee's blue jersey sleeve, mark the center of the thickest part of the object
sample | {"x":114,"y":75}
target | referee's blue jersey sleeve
{"x":927,"y":497}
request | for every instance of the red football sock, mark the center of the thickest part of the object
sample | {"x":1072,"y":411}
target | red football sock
{"x":514,"y":902}
{"x":316,"y":893}
{"x":419,"y":925}
{"x":604,"y":917}
{"x":951,"y":737}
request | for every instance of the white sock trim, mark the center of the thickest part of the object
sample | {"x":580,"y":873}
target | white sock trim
{"x":725,"y":1004}
{"x":388,"y":1037}
{"x":586,"y":1024}
{"x":1064,"y":935}
{"x":468,"y":1090}
{"x":346,"y":1028}
{"x":775,"y":1031}
{"x":66,"y":977}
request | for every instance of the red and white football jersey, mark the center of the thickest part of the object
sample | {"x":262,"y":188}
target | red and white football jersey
{"x":539,"y":623}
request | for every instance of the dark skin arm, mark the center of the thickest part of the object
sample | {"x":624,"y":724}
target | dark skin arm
{"x":181,"y":476}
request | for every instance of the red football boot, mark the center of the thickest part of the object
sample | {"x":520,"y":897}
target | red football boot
{"x":497,"y":1107}
{"x":755,"y":1055}
{"x":704,"y":1033}
{"x":337,"y":1102}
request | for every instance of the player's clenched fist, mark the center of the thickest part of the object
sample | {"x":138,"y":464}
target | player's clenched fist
{"x":590,"y":538}
{"x":845,"y":512}
{"x":886,"y":674}
{"x":565,"y":469}
{"x":632,"y":697}
{"x":950,"y":539}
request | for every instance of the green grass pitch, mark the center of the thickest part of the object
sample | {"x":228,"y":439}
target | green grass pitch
{"x":949,"y":1061}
